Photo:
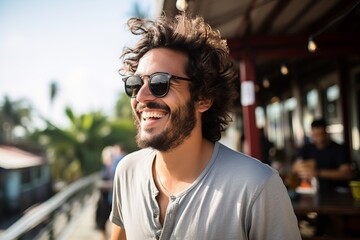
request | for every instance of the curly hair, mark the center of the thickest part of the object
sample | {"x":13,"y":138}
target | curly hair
{"x":209,"y":67}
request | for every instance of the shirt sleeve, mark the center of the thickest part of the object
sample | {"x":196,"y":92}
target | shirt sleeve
{"x":272,"y":214}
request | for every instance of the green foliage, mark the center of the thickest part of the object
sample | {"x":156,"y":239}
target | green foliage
{"x":75,"y":150}
{"x":123,"y":107}
{"x":123,"y":131}
{"x":78,"y":147}
{"x":13,"y":114}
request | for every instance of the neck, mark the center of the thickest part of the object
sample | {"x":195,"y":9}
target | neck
{"x":323,"y":145}
{"x":177,"y":169}
{"x":186,"y":157}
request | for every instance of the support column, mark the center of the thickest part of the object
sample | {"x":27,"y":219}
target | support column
{"x":247,"y":79}
{"x":344,"y":85}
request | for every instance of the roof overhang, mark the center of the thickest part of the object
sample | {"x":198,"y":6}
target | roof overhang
{"x":15,"y":158}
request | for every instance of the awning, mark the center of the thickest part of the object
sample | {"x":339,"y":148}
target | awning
{"x":15,"y":158}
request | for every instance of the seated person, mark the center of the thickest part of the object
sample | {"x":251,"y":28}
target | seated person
{"x":331,"y":168}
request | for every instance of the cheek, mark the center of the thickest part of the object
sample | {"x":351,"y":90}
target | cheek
{"x":133,"y":103}
{"x":133,"y":106}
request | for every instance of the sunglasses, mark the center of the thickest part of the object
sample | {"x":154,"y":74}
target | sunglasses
{"x":159,"y":83}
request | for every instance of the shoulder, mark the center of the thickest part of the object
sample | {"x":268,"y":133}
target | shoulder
{"x":241,"y":165}
{"x":336,"y":145}
{"x":237,"y":158}
{"x":242,"y":176}
{"x":136,"y":160}
{"x":338,"y":150}
{"x":335,"y":149}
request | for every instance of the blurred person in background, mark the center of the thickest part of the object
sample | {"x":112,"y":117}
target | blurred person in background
{"x":111,"y":155}
{"x":119,"y":153}
{"x":324,"y":159}
{"x":103,"y":207}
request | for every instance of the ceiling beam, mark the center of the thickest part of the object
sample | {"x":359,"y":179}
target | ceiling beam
{"x":297,"y":53}
{"x":269,"y":20}
{"x":247,"y":18}
{"x":275,"y":47}
{"x":299,"y":15}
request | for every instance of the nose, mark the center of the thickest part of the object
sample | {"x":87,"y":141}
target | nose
{"x":144,"y":93}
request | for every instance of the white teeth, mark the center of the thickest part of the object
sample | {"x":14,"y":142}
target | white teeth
{"x":146,"y":115}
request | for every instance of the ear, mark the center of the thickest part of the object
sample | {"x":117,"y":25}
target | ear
{"x":204,"y":104}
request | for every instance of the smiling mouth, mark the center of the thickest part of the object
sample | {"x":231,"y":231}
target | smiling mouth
{"x":145,"y":116}
{"x":151,"y":111}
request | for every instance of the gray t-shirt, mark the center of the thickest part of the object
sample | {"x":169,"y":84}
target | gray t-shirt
{"x":235,"y":197}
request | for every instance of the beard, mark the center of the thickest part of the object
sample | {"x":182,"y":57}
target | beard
{"x":182,"y":122}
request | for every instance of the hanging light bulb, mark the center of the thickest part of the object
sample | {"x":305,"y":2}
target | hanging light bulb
{"x":181,"y":5}
{"x":266,"y":83}
{"x":284,"y":70}
{"x":311,"y":45}
{"x":275,"y":99}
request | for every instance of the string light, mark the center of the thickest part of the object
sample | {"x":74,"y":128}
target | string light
{"x":181,"y":5}
{"x":266,"y":83}
{"x":312,"y":47}
{"x":275,"y":99}
{"x":311,"y":43}
{"x":284,"y":70}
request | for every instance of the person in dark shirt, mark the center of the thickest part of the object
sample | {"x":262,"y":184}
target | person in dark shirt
{"x":332,"y":168}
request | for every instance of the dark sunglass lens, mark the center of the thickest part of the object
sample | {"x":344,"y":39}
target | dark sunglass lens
{"x":159,"y":84}
{"x":133,"y":85}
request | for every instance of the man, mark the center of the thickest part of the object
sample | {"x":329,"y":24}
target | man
{"x":119,"y":153}
{"x":184,"y":184}
{"x":103,"y":207}
{"x":331,"y":167}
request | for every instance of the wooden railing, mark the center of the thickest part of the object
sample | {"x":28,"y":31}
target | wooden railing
{"x":49,"y":219}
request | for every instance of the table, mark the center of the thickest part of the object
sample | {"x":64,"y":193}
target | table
{"x":340,"y":209}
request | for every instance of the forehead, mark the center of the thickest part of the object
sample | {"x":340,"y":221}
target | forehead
{"x":163,"y":60}
{"x":318,"y":130}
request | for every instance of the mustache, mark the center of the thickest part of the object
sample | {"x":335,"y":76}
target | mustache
{"x":152,"y":105}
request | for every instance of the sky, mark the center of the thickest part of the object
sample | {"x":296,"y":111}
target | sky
{"x":75,"y":43}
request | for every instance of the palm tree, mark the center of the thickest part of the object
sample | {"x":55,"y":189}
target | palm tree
{"x":14,"y":114}
{"x":54,"y":90}
{"x":76,"y":150}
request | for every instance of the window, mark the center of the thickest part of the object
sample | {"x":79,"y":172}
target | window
{"x":275,"y":130}
{"x":331,"y":102}
{"x":310,"y":109}
{"x":25,"y":176}
{"x":37,"y":173}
